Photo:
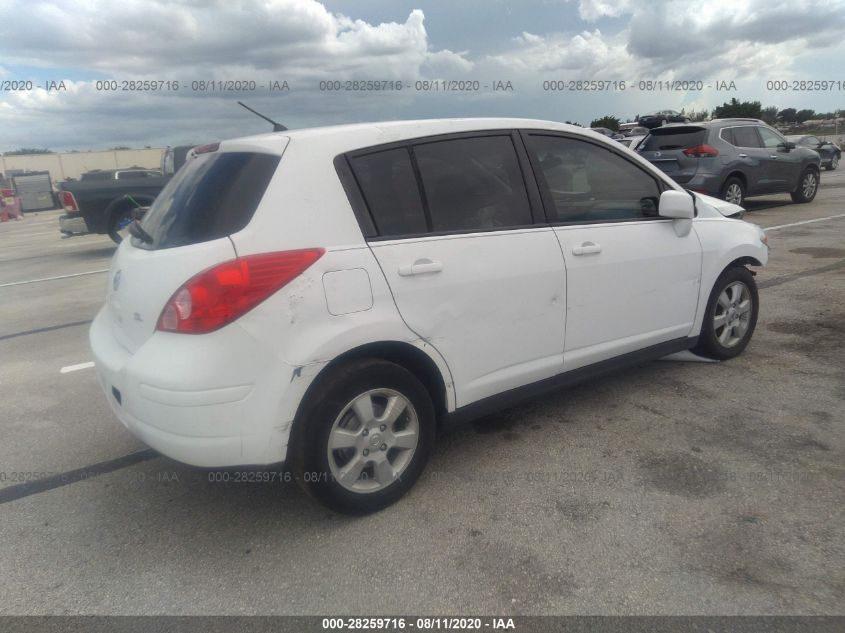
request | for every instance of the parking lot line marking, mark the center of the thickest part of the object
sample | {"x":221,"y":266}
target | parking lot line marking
{"x":18,"y":491}
{"x":35,"y":281}
{"x":70,"y":368}
{"x":43,"y":329}
{"x":784,"y":226}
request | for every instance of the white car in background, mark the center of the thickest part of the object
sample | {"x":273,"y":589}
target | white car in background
{"x":327,"y":297}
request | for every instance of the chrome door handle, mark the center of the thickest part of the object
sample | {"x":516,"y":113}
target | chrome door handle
{"x":773,"y":156}
{"x":587,"y":248}
{"x":420,"y":267}
{"x":743,"y":155}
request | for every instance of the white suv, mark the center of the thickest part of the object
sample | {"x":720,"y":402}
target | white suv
{"x":327,"y":297}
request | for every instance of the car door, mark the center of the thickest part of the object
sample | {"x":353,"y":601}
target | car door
{"x":752,"y":158}
{"x":784,"y":164}
{"x":472,"y":271}
{"x":632,"y":282}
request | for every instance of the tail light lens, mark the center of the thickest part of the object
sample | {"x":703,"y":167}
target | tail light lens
{"x":68,"y":201}
{"x":702,"y":151}
{"x":219,"y":295}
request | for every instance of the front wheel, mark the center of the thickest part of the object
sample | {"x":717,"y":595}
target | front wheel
{"x":365,"y":439}
{"x":807,"y":187}
{"x":731,"y":315}
{"x":834,"y":163}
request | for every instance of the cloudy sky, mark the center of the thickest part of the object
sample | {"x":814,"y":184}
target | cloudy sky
{"x":305,"y":42}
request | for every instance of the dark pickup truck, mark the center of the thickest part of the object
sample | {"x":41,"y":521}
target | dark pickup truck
{"x":105,"y":201}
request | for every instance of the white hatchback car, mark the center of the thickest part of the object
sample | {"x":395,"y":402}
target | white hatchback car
{"x":327,"y":297}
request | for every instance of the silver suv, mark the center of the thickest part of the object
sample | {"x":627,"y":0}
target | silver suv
{"x":733,"y":159}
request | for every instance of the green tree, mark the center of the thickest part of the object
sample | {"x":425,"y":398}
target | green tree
{"x":743,"y":109}
{"x":803,"y":115}
{"x":770,"y":115}
{"x":608,"y":121}
{"x":28,"y":150}
{"x":787,"y":115}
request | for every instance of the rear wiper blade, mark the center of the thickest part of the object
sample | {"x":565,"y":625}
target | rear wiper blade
{"x":138,"y":231}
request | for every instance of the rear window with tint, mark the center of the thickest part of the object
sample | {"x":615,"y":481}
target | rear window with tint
{"x":390,"y":188}
{"x":211,"y":197}
{"x":473,"y":184}
{"x":675,"y":140}
{"x":745,"y":136}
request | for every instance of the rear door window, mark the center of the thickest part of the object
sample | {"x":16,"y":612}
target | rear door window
{"x":211,"y":197}
{"x":746,"y":136}
{"x":390,"y":189}
{"x":473,"y":184}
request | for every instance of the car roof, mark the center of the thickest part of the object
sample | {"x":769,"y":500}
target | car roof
{"x":348,"y":137}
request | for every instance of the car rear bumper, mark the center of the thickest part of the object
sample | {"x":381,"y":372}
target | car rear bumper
{"x":710,"y":184}
{"x":211,"y":400}
{"x":70,"y":224}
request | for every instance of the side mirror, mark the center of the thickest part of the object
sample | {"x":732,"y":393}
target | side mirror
{"x":787,"y":145}
{"x":680,"y":206}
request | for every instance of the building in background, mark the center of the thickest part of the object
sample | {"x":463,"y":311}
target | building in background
{"x":74,"y":164}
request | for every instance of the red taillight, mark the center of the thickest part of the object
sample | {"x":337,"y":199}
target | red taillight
{"x":68,"y":201}
{"x":219,"y":295}
{"x":702,"y":151}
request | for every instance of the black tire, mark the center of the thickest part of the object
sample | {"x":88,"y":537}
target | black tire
{"x":709,"y":343}
{"x":834,"y":163}
{"x":730,"y":188}
{"x":116,"y":222}
{"x":805,"y":192}
{"x":328,"y":400}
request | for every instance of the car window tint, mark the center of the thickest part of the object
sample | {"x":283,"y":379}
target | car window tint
{"x":770,"y":139}
{"x":668,"y":140}
{"x":391,"y":192}
{"x":727,"y":135}
{"x":588,"y":183}
{"x":746,"y":136}
{"x":211,"y":197}
{"x":473,"y":184}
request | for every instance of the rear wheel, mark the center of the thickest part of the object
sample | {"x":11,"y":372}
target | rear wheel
{"x":834,"y":163}
{"x":731,"y":315}
{"x":365,"y":439}
{"x":733,"y":191}
{"x":808,"y":185}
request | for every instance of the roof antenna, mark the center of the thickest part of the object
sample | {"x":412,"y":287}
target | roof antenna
{"x":277,"y":127}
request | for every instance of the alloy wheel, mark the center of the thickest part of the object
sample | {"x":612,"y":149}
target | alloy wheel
{"x":373,"y":440}
{"x":809,"y":184}
{"x":732,"y":314}
{"x":733,"y":193}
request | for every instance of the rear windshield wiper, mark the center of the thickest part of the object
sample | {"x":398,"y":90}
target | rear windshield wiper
{"x":138,"y":231}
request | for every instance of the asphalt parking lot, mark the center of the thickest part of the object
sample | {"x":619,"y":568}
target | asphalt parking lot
{"x":671,"y":488}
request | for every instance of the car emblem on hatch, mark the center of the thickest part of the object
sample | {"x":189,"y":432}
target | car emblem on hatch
{"x":115,"y":283}
{"x":657,"y":154}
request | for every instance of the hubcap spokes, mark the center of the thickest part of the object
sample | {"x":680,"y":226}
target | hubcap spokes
{"x":732,"y":315}
{"x":809,"y":185}
{"x":734,"y":194}
{"x":373,"y":440}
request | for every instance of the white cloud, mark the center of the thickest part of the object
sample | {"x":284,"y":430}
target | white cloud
{"x":673,"y":38}
{"x":195,"y":40}
{"x":594,"y":9}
